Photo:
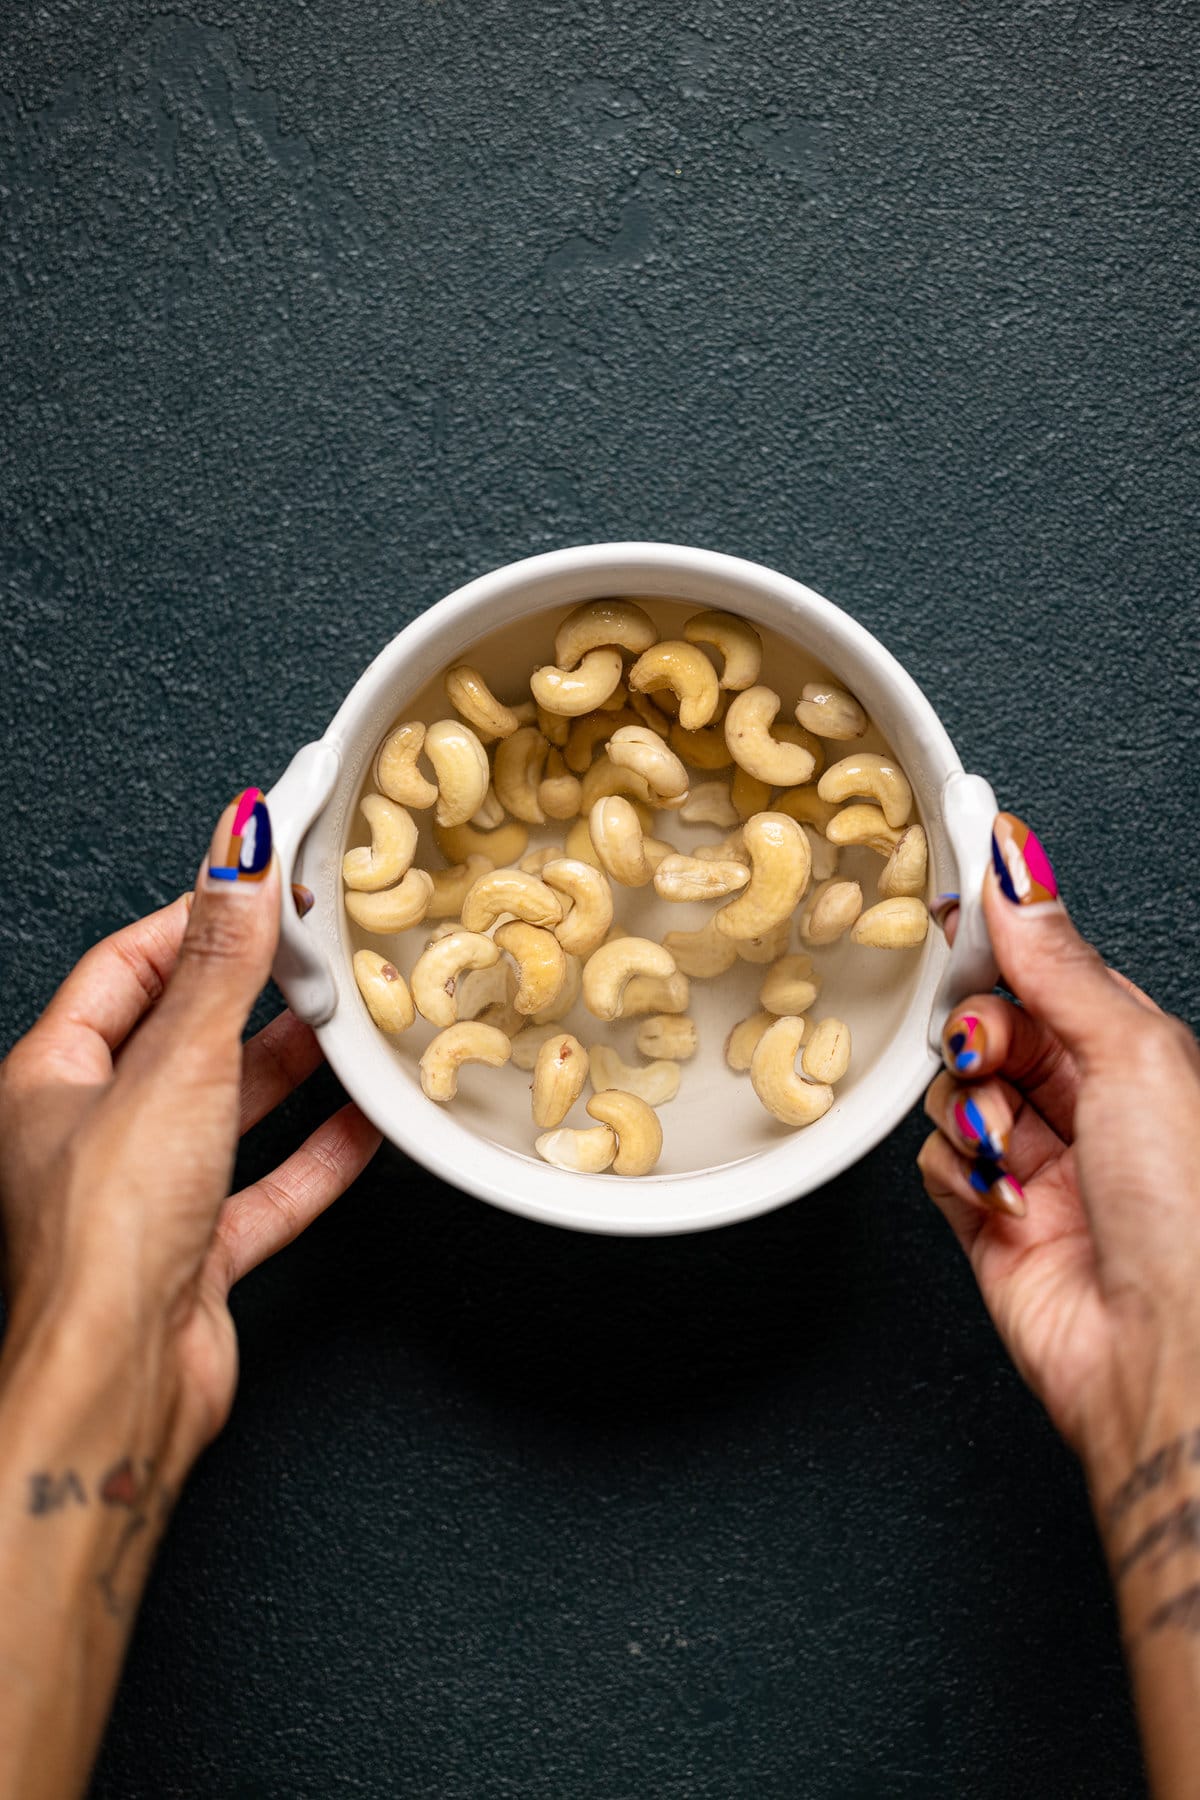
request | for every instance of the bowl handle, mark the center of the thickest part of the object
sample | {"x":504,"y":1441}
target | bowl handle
{"x":968,"y":809}
{"x":301,"y":968}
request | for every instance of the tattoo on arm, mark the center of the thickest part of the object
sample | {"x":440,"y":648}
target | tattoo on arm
{"x":1157,"y":1469}
{"x":1177,"y":1530}
{"x":127,"y":1486}
{"x":1183,"y":1610}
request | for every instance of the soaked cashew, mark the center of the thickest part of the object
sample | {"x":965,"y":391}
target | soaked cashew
{"x":600,"y":622}
{"x":535,"y":860}
{"x":436,"y":972}
{"x":639,"y":1133}
{"x":641,"y":751}
{"x":609,"y":969}
{"x":704,"y":749}
{"x":528,"y":1042}
{"x":554,"y":727}
{"x":655,"y":994}
{"x":687,"y":672}
{"x":647,"y":713}
{"x":742,"y":1041}
{"x":730,"y":848}
{"x":393,"y":845}
{"x":765,"y":949}
{"x":567,"y":995}
{"x":396,"y":770}
{"x":619,"y":841}
{"x":704,"y":953}
{"x":780,"y":862}
{"x":789,"y":986}
{"x":826,"y":1055}
{"x":576,"y":691}
{"x":806,"y":806}
{"x":461,"y":765}
{"x":579,"y":845}
{"x":904,"y":872}
{"x":445,"y":1055}
{"x":829,"y":911}
{"x":698,"y":878}
{"x":605,"y":778}
{"x":558,"y":1077}
{"x":584,"y":924}
{"x":559,"y":793}
{"x":748,"y":735}
{"x":867,"y":774}
{"x":509,"y":891}
{"x":488,"y":995}
{"x":489,"y":813}
{"x":748,"y":795}
{"x":458,"y":843}
{"x":898,"y":924}
{"x":541,"y":963}
{"x":470,"y":695}
{"x":830,"y":712}
{"x":396,"y":908}
{"x":668,"y":1035}
{"x":710,"y":803}
{"x":656,"y":1083}
{"x":590,"y":731}
{"x":824,"y":854}
{"x":451,"y":887}
{"x":776,"y":1082}
{"x":385,"y":992}
{"x":861,"y":824}
{"x":587,"y":1152}
{"x":518,"y":764}
{"x":736,"y":639}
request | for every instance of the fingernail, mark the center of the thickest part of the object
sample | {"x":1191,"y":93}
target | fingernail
{"x":241,"y":847}
{"x":945,"y":903}
{"x":1021,"y":864}
{"x":983,"y":1123}
{"x":964,"y":1041}
{"x":304,"y":898}
{"x":1001,"y":1193}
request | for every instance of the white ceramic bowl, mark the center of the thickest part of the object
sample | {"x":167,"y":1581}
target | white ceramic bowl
{"x":725,"y":1158}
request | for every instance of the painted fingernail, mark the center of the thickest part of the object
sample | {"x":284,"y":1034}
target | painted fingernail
{"x":945,"y":903}
{"x":1021,"y":864}
{"x":304,"y":898}
{"x":983,"y":1124}
{"x":964,"y":1041}
{"x":1000,"y":1192}
{"x":241,"y":849}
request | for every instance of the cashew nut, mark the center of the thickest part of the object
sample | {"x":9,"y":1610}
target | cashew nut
{"x":559,"y":793}
{"x":867,"y":774}
{"x":385,"y":992}
{"x":509,"y":891}
{"x":393,"y":845}
{"x":904,"y":872}
{"x":489,"y":813}
{"x":748,"y":795}
{"x":619,"y":841}
{"x":824,"y":854}
{"x":704,"y":749}
{"x":698,"y":878}
{"x":567,"y":995}
{"x":519,"y":761}
{"x":646,"y":712}
{"x":470,"y":695}
{"x":830,"y":712}
{"x":655,"y":994}
{"x":730,"y":848}
{"x":605,"y":778}
{"x":451,"y":886}
{"x":748,"y":735}
{"x":535,"y":860}
{"x":488,"y":995}
{"x":684,"y":669}
{"x":461,"y":765}
{"x":609,"y":969}
{"x":575,"y":691}
{"x":736,"y":639}
{"x":806,"y":806}
{"x":830,"y":910}
{"x":709,"y":803}
{"x":898,"y":924}
{"x":643,"y":752}
{"x":789,"y":986}
{"x":702,"y":953}
{"x":656,"y":1083}
{"x":767,"y":948}
{"x":445,"y":1055}
{"x":396,"y":908}
{"x":743,"y":1039}
{"x":436,"y":972}
{"x":579,"y":845}
{"x":776,"y":1082}
{"x":527,"y":1043}
{"x":668,"y":1035}
{"x":780,"y":862}
{"x":558,"y":1077}
{"x":639,"y":1133}
{"x":859,"y":824}
{"x":583,"y":926}
{"x":396,"y":770}
{"x":601,"y":622}
{"x":541,"y":963}
{"x":590,"y":730}
{"x":826,"y":1055}
{"x":458,"y":843}
{"x":554,"y":727}
{"x":587,"y":1152}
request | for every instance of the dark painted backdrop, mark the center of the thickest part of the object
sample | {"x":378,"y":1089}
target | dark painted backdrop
{"x":310,"y":313}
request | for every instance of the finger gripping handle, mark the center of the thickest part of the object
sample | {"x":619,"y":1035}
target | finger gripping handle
{"x":302,"y":967}
{"x":968,"y":810}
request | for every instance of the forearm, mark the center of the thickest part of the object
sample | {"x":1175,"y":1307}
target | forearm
{"x":88,"y":1471}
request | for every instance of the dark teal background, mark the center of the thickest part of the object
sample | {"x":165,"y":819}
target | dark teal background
{"x":310,"y":313}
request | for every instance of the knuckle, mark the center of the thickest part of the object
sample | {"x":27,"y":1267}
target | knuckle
{"x":216,"y":937}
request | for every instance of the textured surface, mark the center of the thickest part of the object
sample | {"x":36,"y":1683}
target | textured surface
{"x":312,"y":312}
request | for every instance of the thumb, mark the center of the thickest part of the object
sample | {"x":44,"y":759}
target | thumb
{"x":1055,"y":973}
